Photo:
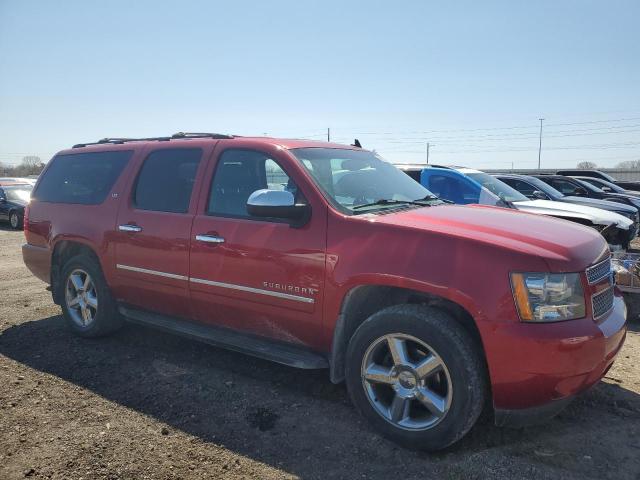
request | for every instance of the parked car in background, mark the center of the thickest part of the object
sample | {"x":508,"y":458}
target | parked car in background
{"x":318,"y":255}
{"x":13,"y":200}
{"x":14,"y":181}
{"x":534,"y":188}
{"x":466,"y":186}
{"x":626,"y":184}
{"x":608,"y":187}
{"x":580,"y":188}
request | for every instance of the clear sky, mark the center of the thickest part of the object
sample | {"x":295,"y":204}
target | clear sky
{"x":472,"y":78}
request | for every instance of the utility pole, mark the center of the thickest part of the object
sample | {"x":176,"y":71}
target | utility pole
{"x":328,"y":134}
{"x":540,"y":144}
{"x":427,"y":153}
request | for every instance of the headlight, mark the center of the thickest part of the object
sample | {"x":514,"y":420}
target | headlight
{"x":548,"y":297}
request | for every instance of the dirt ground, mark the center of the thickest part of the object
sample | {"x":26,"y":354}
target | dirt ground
{"x":145,"y":404}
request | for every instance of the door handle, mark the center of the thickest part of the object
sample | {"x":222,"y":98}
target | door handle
{"x":129,"y":228}
{"x":209,"y":239}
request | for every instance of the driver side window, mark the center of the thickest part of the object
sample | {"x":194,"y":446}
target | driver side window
{"x":238,"y":174}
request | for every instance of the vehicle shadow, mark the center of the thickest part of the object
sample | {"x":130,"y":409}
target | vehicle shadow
{"x":294,"y":420}
{"x":5,"y":227}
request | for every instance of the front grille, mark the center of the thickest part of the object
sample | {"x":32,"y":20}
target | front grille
{"x":602,"y":302}
{"x":599,"y":271}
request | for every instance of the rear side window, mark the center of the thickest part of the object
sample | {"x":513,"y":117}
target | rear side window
{"x":83,"y":178}
{"x":166,"y":179}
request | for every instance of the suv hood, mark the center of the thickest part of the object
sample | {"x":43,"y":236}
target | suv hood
{"x":565,"y":246}
{"x":596,"y":216}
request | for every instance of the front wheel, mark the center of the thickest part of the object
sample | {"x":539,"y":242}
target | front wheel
{"x":417,"y":376}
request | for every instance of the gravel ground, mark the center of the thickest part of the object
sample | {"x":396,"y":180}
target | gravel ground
{"x":144,"y":404}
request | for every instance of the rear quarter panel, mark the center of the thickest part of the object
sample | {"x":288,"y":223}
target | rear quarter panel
{"x":90,"y":225}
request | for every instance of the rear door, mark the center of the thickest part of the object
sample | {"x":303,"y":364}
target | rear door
{"x":256,"y":274}
{"x":153,"y":229}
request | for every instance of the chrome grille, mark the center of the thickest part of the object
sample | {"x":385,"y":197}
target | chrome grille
{"x":599,"y":271}
{"x":602,"y":302}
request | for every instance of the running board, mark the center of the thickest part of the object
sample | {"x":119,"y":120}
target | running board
{"x":286,"y":354}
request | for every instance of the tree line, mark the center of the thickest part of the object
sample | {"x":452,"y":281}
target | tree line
{"x":626,"y":165}
{"x":30,"y":165}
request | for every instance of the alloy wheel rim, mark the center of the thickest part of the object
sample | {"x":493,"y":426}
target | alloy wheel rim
{"x":14,"y":220}
{"x":81,"y":297}
{"x":406,"y":382}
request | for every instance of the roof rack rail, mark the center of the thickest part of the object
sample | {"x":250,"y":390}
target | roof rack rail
{"x":175,"y":136}
{"x":219,"y":136}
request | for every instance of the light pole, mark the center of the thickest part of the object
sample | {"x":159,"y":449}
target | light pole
{"x":540,"y":144}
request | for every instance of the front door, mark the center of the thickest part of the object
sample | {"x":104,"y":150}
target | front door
{"x":4,"y":207}
{"x":254,"y":274}
{"x":153,"y":230}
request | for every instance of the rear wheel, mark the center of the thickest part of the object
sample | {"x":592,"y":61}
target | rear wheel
{"x":87,"y":303}
{"x":15,"y":220}
{"x":417,"y":375}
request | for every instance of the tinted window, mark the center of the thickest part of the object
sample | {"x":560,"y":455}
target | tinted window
{"x":166,"y":179}
{"x":523,"y":187}
{"x":84,"y":178}
{"x":567,"y":188}
{"x":240,"y":173}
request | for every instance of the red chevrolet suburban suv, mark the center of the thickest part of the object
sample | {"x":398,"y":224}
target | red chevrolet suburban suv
{"x":318,"y":255}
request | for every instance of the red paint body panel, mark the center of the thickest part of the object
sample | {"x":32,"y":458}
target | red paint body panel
{"x":461,"y":253}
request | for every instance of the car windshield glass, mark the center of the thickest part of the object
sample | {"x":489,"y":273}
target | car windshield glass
{"x":497,"y":187}
{"x":603,"y":183}
{"x":545,"y":187}
{"x":21,"y":194}
{"x":359,"y":181}
{"x":588,"y":186}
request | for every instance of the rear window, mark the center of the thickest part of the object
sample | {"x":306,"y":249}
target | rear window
{"x":83,"y":178}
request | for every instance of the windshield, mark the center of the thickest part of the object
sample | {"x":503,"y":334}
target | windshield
{"x":21,"y":194}
{"x":358,"y":178}
{"x":588,"y":186}
{"x":497,"y":187}
{"x":603,"y":183}
{"x":545,"y":188}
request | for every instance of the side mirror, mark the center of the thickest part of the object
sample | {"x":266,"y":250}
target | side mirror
{"x":2,"y":199}
{"x":539,"y":195}
{"x":277,"y":204}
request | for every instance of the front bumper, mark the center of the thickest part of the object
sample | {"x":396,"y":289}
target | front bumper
{"x":536,"y":369}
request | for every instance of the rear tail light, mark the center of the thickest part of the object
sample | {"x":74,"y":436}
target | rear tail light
{"x":25,"y":219}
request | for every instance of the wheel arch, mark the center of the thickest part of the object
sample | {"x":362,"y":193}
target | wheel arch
{"x":63,"y":250}
{"x":362,"y":301}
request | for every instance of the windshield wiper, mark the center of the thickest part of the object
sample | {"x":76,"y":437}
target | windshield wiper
{"x":433,"y":198}
{"x":421,"y":202}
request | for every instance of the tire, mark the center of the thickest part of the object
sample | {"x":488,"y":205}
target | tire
{"x":444,"y":404}
{"x":15,"y":220}
{"x":104,"y":317}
